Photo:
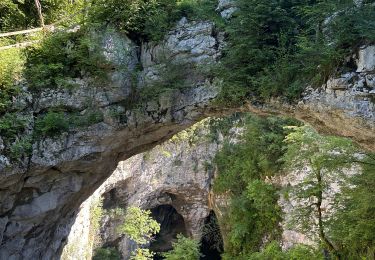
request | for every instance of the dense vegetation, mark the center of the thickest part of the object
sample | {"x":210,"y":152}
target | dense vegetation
{"x":267,"y":150}
{"x":244,"y":169}
{"x":277,"y":48}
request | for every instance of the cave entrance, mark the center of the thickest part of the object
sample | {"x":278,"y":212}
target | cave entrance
{"x":171,"y":224}
{"x":212,"y":241}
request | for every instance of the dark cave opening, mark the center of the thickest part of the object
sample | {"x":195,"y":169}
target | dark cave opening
{"x":212,"y":241}
{"x":171,"y":224}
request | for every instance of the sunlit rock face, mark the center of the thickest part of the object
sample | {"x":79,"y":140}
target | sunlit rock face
{"x":40,"y":194}
{"x":177,"y":174}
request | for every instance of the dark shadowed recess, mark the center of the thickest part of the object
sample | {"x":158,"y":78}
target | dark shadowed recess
{"x":171,"y":224}
{"x":212,"y":241}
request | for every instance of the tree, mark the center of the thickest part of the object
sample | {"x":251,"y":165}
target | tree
{"x":243,"y":170}
{"x":184,"y":249}
{"x":140,"y":227}
{"x":353,"y":226}
{"x":39,"y":9}
{"x":325,"y":158}
{"x":106,"y":254}
{"x":273,"y":251}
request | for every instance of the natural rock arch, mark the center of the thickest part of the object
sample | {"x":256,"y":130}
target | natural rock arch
{"x":39,"y":198}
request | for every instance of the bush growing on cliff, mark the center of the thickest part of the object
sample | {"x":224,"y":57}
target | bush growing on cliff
{"x":184,"y":249}
{"x":139,"y":225}
{"x":273,"y":251}
{"x":11,"y":66}
{"x":61,"y":57}
{"x":277,"y":48}
{"x":107,"y":253}
{"x":53,"y":123}
{"x":148,"y":20}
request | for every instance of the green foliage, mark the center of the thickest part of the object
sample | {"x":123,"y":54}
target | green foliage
{"x":51,"y":124}
{"x":10,"y":125}
{"x":21,"y":15}
{"x":134,"y":17}
{"x":353,"y":226}
{"x":107,"y":253}
{"x":184,"y":249}
{"x":277,"y":48}
{"x":254,"y":158}
{"x":273,"y":251}
{"x":21,"y":147}
{"x":326,"y":157}
{"x":249,"y":222}
{"x":142,"y":254}
{"x":148,"y":20}
{"x":305,"y":147}
{"x":139,"y":225}
{"x":54,"y":123}
{"x":243,"y":169}
{"x":12,"y":130}
{"x":62,"y":56}
{"x":96,"y":213}
{"x":11,"y":65}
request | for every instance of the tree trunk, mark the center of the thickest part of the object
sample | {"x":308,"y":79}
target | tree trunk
{"x":322,"y":234}
{"x":39,"y":8}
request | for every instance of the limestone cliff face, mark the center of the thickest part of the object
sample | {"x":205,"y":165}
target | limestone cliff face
{"x":40,"y":194}
{"x":176,"y":173}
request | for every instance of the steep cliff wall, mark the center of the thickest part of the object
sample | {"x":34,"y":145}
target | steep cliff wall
{"x":176,"y":173}
{"x":40,"y":194}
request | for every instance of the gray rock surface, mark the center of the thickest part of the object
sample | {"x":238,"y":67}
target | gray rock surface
{"x":176,"y":173}
{"x":40,"y":195}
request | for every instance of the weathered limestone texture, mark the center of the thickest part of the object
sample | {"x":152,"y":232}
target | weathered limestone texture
{"x":40,"y":195}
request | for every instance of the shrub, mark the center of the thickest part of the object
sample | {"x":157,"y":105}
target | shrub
{"x":62,"y":56}
{"x":107,"y":253}
{"x":273,"y":251}
{"x":51,"y":124}
{"x":21,"y":147}
{"x":140,"y":18}
{"x":11,"y":66}
{"x":148,"y":20}
{"x":184,"y":249}
{"x":139,"y":225}
{"x":11,"y":124}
